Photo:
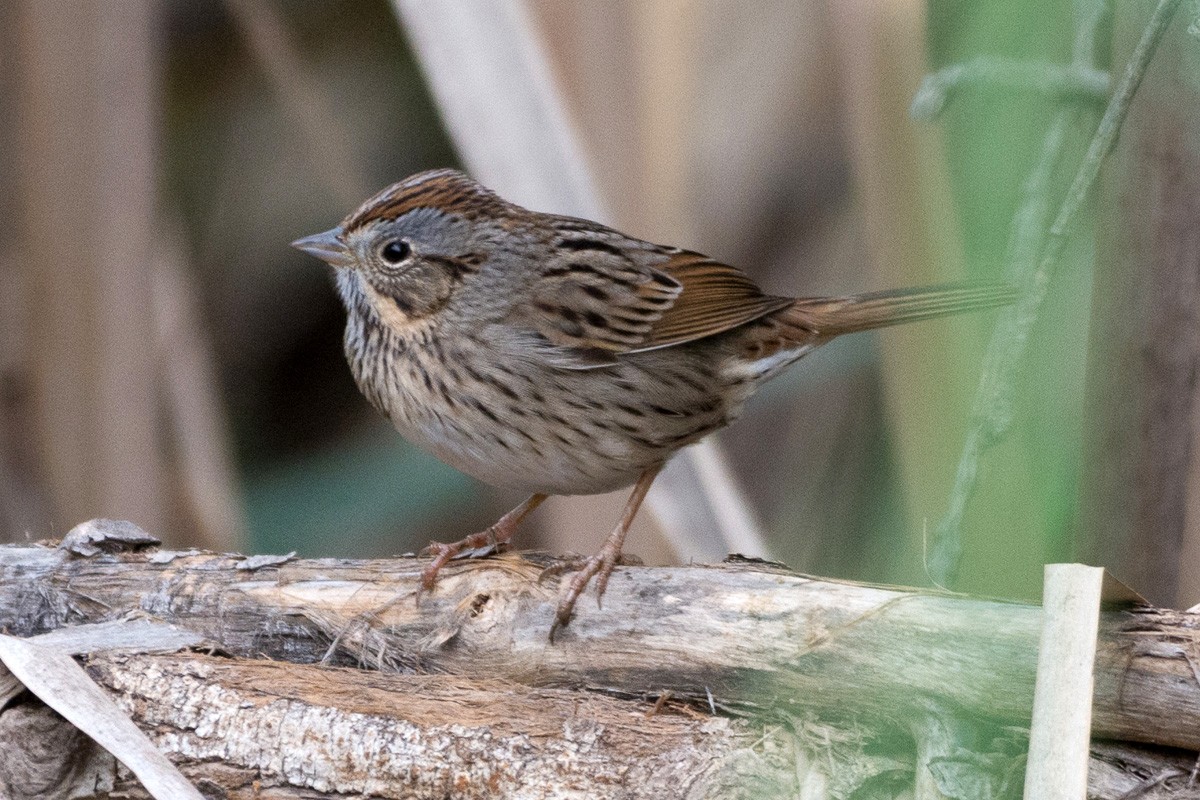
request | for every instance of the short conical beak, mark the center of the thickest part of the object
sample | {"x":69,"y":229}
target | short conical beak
{"x":326,"y":246}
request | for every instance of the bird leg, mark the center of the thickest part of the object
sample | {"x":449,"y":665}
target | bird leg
{"x":495,"y":537}
{"x":600,"y":566}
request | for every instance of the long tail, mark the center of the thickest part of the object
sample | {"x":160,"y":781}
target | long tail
{"x":833,"y":316}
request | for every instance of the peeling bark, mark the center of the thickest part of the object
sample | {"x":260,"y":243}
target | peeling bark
{"x":258,"y":729}
{"x":352,"y":731}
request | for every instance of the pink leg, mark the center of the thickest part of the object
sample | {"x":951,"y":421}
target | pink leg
{"x":601,"y":565}
{"x":497,"y":536}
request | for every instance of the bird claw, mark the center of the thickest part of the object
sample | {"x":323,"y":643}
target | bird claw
{"x":599,"y":566}
{"x":607,"y":564}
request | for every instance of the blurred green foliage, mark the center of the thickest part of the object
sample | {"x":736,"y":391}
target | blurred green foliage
{"x":351,"y":499}
{"x":1024,"y":511}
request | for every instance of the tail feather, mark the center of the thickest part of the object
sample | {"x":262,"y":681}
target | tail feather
{"x":833,"y":316}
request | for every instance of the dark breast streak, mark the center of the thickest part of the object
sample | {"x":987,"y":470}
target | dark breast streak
{"x":508,"y":422}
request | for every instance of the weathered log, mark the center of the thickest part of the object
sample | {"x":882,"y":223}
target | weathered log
{"x":243,"y":729}
{"x":353,"y":731}
{"x":741,"y":636}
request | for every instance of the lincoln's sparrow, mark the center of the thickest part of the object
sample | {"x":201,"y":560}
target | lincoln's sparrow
{"x":558,"y":356}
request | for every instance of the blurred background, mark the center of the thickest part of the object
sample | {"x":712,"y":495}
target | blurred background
{"x":166,"y":357}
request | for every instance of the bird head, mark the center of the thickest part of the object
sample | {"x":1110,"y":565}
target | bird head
{"x":409,"y":248}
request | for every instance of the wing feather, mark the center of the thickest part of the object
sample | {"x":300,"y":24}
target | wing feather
{"x":611,"y":294}
{"x":715,"y":298}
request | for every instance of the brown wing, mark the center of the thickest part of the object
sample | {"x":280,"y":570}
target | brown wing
{"x":715,"y":298}
{"x":598,"y":302}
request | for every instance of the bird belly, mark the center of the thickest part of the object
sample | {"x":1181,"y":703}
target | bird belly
{"x":541,"y":466}
{"x":546,"y":431}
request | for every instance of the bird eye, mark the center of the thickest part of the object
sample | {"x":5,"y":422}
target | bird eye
{"x":395,"y":251}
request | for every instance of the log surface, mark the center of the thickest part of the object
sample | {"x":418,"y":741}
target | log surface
{"x":747,"y":637}
{"x":360,"y":732}
{"x":258,"y":730}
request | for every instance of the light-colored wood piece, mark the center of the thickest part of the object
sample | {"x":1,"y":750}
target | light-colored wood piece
{"x":1061,"y":730}
{"x":59,"y":682}
{"x":361,"y":733}
{"x":412,"y":736}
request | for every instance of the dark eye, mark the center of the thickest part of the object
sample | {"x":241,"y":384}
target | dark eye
{"x":395,"y":251}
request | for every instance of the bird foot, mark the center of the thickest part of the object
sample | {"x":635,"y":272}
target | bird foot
{"x":494,"y":539}
{"x":477,"y":545}
{"x":600,"y":567}
{"x":573,"y":562}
